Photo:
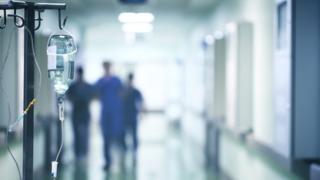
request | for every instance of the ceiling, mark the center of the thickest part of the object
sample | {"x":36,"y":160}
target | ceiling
{"x":97,"y":10}
{"x":88,"y":6}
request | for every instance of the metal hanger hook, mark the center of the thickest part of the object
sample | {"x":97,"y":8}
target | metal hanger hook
{"x":39,"y":19}
{"x":62,"y":24}
{"x":17,"y":17}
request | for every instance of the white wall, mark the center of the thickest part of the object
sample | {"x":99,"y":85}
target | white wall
{"x":194,"y":124}
{"x":260,"y":13}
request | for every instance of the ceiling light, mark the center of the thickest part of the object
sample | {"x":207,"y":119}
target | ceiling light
{"x":130,"y":17}
{"x":137,"y":27}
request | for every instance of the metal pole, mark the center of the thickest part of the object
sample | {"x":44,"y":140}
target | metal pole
{"x":28,"y":123}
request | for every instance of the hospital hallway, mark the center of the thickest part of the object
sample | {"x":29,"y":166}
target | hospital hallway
{"x":159,"y":89}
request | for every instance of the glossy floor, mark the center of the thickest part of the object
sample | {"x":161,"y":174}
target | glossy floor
{"x":164,"y":154}
{"x":160,"y":157}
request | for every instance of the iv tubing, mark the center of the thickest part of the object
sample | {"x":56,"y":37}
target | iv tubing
{"x":19,"y":118}
{"x":61,"y":118}
{"x":54,"y":166}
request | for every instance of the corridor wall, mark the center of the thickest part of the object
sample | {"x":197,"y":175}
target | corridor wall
{"x":260,"y":14}
{"x":282,"y":77}
{"x":219,"y":76}
{"x":296,"y":82}
{"x":239,"y":76}
{"x":306,"y":84}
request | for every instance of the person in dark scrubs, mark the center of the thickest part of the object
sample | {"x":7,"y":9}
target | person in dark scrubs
{"x":133,"y":101}
{"x":110,"y":89}
{"x":80,"y":95}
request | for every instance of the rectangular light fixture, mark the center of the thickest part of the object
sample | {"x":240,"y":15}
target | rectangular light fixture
{"x":137,"y":27}
{"x":131,"y":17}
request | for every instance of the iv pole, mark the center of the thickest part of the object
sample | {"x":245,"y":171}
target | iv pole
{"x":30,"y":8}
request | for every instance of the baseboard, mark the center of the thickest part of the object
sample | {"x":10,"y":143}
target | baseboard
{"x":279,"y":159}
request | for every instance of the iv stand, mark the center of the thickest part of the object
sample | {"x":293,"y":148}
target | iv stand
{"x":30,"y":8}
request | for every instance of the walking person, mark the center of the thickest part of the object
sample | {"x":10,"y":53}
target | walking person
{"x":133,"y":102}
{"x":80,"y":95}
{"x":109,"y":89}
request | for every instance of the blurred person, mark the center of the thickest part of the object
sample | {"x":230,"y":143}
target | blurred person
{"x":109,"y":89}
{"x":80,"y":95}
{"x":133,"y":101}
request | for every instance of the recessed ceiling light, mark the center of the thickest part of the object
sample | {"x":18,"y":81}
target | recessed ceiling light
{"x":131,"y":17}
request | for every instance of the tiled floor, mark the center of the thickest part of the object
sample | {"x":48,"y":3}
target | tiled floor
{"x":164,"y":154}
{"x":160,"y":157}
{"x":241,"y":162}
{"x":7,"y":167}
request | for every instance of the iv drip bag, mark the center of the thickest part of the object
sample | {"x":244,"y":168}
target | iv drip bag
{"x":61,"y":52}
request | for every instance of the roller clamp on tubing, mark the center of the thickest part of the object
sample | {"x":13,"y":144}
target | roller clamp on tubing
{"x":61,"y":107}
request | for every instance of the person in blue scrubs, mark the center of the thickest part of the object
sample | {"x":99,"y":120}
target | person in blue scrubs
{"x":80,"y":95}
{"x":133,"y":101}
{"x":109,"y":89}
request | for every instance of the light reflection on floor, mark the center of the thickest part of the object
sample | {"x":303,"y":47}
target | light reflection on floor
{"x":164,"y":154}
{"x":159,"y":157}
